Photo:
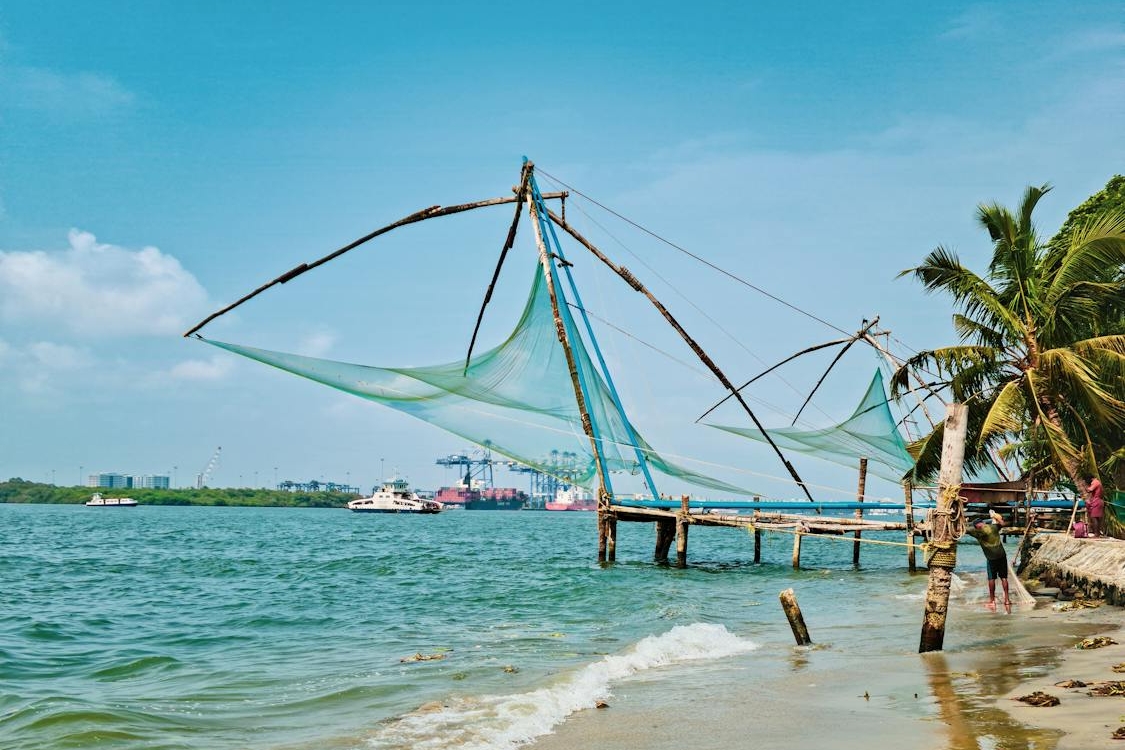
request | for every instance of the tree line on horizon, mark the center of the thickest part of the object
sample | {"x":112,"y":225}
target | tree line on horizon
{"x":18,"y":490}
{"x":1040,"y":355}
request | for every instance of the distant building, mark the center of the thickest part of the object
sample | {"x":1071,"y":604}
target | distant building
{"x":113,"y":480}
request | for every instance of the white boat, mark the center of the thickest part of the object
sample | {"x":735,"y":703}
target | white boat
{"x":394,"y":496}
{"x":97,"y":501}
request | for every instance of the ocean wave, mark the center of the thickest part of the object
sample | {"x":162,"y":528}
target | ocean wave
{"x":508,"y":721}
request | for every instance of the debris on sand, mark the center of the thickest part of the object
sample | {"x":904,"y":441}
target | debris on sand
{"x":1039,"y":699}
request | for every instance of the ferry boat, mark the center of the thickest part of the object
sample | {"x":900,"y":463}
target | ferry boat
{"x":394,"y":496}
{"x":573,"y":498}
{"x":97,"y":501}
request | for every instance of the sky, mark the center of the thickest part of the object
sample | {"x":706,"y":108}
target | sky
{"x":158,"y":160}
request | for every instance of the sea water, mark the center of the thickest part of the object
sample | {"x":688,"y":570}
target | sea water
{"x":201,"y":627}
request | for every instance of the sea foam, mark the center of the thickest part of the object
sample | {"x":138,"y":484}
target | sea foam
{"x":508,"y":721}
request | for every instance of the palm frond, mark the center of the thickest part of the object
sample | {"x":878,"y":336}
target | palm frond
{"x":1008,"y":412}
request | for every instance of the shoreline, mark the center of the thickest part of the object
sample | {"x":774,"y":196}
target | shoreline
{"x":958,"y":698}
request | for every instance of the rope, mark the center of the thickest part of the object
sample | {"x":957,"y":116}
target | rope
{"x":946,"y":525}
{"x":833,"y":537}
{"x":690,"y":254}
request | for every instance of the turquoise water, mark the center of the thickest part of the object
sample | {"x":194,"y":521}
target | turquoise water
{"x":172,"y":627}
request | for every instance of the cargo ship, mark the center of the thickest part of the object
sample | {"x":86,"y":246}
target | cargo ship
{"x":465,"y":497}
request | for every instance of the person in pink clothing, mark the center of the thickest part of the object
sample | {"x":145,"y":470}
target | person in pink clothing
{"x":1095,"y":505}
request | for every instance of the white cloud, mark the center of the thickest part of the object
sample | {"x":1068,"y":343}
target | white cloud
{"x":46,"y":354}
{"x":973,"y":23}
{"x":81,"y":93}
{"x":101,"y":290}
{"x":317,"y":344}
{"x":215,"y":368}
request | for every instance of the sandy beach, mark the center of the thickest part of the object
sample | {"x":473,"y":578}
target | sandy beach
{"x":1086,"y":721}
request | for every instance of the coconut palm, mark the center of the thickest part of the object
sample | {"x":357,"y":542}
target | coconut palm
{"x":1042,"y":356}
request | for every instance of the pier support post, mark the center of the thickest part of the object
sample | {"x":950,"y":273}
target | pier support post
{"x":681,"y":533}
{"x":665,"y":533}
{"x":859,"y":511}
{"x":757,"y":535}
{"x":908,"y":492}
{"x":797,"y":550}
{"x":611,"y":536}
{"x":796,"y":619}
{"x":942,"y":558}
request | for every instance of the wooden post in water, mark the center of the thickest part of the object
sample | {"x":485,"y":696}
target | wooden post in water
{"x":757,"y":536}
{"x":797,"y":549}
{"x":610,"y":520}
{"x":942,"y":557}
{"x":859,"y":511}
{"x":908,"y":492}
{"x":681,"y":533}
{"x":665,"y":533}
{"x":796,"y":619}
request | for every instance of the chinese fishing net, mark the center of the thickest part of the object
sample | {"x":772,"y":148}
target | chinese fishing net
{"x":516,"y":399}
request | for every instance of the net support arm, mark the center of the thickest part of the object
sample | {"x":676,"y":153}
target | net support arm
{"x":632,"y":281}
{"x":432,"y":212}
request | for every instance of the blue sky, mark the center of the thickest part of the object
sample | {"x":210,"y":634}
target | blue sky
{"x":157,"y":160}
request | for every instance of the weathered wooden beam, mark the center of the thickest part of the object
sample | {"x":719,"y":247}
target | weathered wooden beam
{"x":859,"y":511}
{"x":797,"y":550}
{"x":796,"y":619}
{"x":682,"y":521}
{"x":944,"y":558}
{"x":908,"y":492}
{"x":665,"y":533}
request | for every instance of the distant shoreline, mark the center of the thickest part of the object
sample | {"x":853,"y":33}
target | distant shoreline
{"x":17,"y":491}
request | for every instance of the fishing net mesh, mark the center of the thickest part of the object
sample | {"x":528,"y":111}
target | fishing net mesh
{"x":515,"y":399}
{"x":870,"y":432}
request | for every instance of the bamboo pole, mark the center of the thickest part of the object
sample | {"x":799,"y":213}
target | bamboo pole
{"x":796,"y":619}
{"x":432,"y":212}
{"x":943,"y":543}
{"x":632,"y":281}
{"x":859,"y":511}
{"x":682,"y":533}
{"x":580,"y":397}
{"x":908,"y":492}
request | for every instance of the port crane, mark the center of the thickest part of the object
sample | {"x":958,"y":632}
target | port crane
{"x":203,"y":476}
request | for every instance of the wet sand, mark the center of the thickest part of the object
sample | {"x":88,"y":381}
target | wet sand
{"x":1087,"y":722}
{"x":785,"y":696}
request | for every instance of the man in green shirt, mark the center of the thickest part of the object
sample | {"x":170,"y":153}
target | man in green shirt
{"x":987,"y":532}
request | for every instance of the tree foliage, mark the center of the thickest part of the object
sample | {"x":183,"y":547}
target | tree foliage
{"x":1041,"y":355}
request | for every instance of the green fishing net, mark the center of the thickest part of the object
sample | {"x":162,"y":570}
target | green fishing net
{"x":515,"y":399}
{"x":870,"y":432}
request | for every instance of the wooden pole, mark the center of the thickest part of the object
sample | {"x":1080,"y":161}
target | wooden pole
{"x":580,"y":397}
{"x":665,"y":533}
{"x":797,"y":550}
{"x":942,"y":558}
{"x":859,"y":511}
{"x":908,"y":491}
{"x":611,"y":536}
{"x":681,"y":533}
{"x":796,"y":619}
{"x":634,"y":282}
{"x":432,"y":212}
{"x":757,"y":537}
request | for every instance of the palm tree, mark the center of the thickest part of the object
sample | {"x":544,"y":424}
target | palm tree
{"x":1041,"y":361}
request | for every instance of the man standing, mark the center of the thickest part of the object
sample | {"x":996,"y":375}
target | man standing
{"x":1095,"y":506}
{"x":987,"y":532}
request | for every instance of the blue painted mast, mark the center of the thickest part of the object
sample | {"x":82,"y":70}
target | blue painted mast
{"x":541,"y":217}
